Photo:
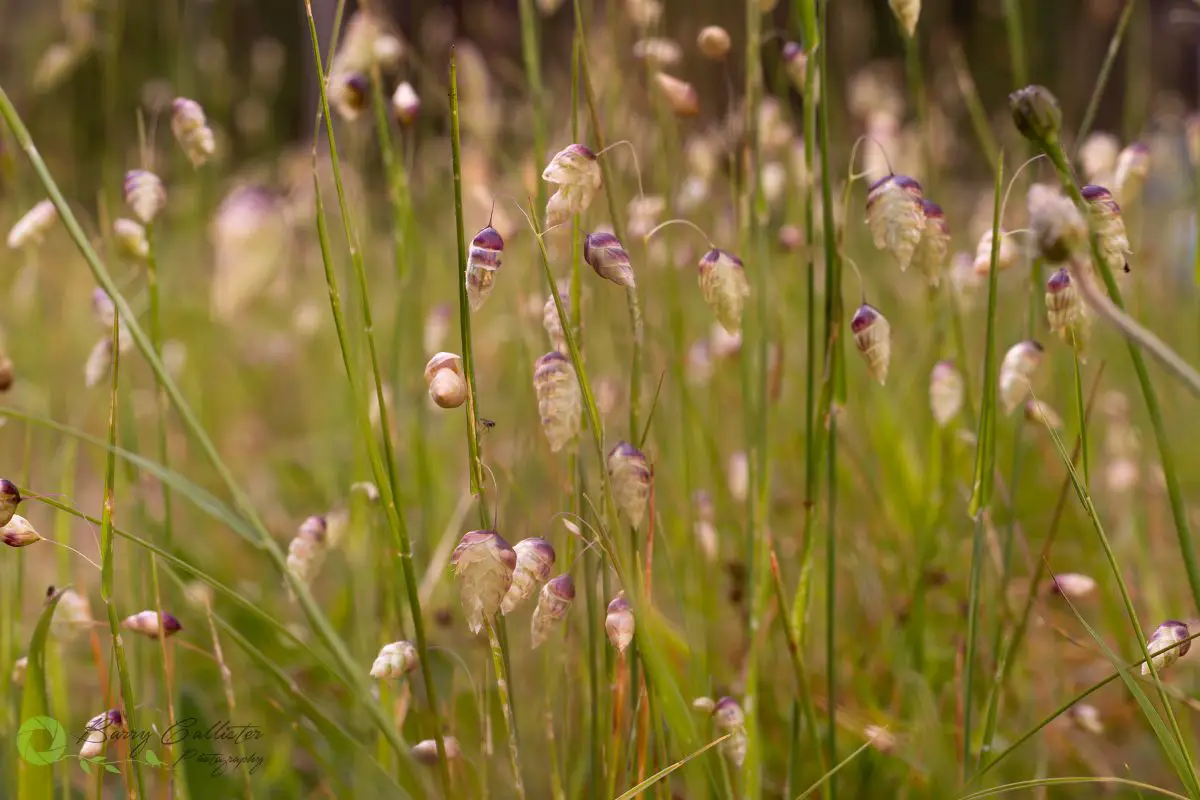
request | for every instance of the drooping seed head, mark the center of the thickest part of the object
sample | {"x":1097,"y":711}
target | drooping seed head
{"x":1036,"y":113}
{"x":1065,"y":309}
{"x":17,"y":532}
{"x":880,"y":738}
{"x":99,"y":730}
{"x":1018,"y":366}
{"x":10,"y":498}
{"x":1072,"y":584}
{"x":574,"y":165}
{"x":795,"y":62}
{"x":483,"y":260}
{"x":907,"y":12}
{"x":405,"y":103}
{"x":896,"y":216}
{"x":348,"y":94}
{"x":604,"y":253}
{"x":31,"y":229}
{"x":484,"y":564}
{"x":724,"y":286}
{"x":619,"y":623}
{"x":535,"y":559}
{"x":704,"y":705}
{"x":873,"y":338}
{"x":131,"y":240}
{"x":554,"y":602}
{"x":72,"y":617}
{"x":1109,"y":225}
{"x":946,"y":392}
{"x":395,"y":660}
{"x":1171,"y":632}
{"x":146,"y":623}
{"x":144,"y":194}
{"x":99,"y":360}
{"x":560,"y":402}
{"x":737,"y":475}
{"x":1087,"y":717}
{"x":307,"y":549}
{"x":191,"y":130}
{"x":425,"y":751}
{"x":714,"y":42}
{"x":1058,"y":227}
{"x":631,"y":478}
{"x":1098,"y":156}
{"x":657,"y":51}
{"x":1133,"y":165}
{"x":930,"y":255}
{"x":728,"y":717}
{"x":1041,"y":413}
{"x":680,"y":96}
{"x":1006,"y":257}
{"x":552,"y":323}
{"x":18,"y":670}
{"x":446,"y":381}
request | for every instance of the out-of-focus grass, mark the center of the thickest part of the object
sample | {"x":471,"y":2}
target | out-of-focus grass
{"x":268,"y":385}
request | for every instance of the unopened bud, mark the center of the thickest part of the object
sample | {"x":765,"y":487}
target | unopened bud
{"x":306,"y":550}
{"x":1065,"y":309}
{"x":405,"y":103}
{"x":1087,"y":717}
{"x":714,"y":42}
{"x":1007,"y":256}
{"x":1036,"y":113}
{"x":930,"y":255}
{"x":795,"y":62}
{"x":704,"y":705}
{"x":729,"y":718}
{"x":348,"y":94}
{"x":395,"y":660}
{"x":446,"y":380}
{"x":147,"y":624}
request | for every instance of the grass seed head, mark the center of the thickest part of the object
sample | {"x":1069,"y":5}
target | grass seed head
{"x":72,"y":617}
{"x":99,"y":360}
{"x":1133,"y":165}
{"x":99,"y":730}
{"x":551,"y":321}
{"x":880,"y":738}
{"x":131,"y":239}
{"x":1087,"y":718}
{"x":406,"y":105}
{"x":144,"y":194}
{"x":18,"y":670}
{"x":146,"y":623}
{"x":1036,"y":113}
{"x":1058,"y":227}
{"x":724,"y":286}
{"x":657,"y":51}
{"x":713,"y":42}
{"x":17,"y":532}
{"x":307,"y":549}
{"x":1065,"y":308}
{"x":395,"y":660}
{"x":554,"y":602}
{"x":425,"y":751}
{"x":704,"y":705}
{"x":946,"y":392}
{"x":31,"y":229}
{"x":619,"y":623}
{"x":604,"y":253}
{"x":907,"y":12}
{"x":631,"y":479}
{"x":1074,"y":585}
{"x":930,"y":255}
{"x":729,"y":718}
{"x":873,"y":338}
{"x":446,"y":381}
{"x":483,"y":261}
{"x":1098,"y":157}
{"x":191,"y":130}
{"x":10,"y":498}
{"x":348,"y":94}
{"x":1109,"y":225}
{"x":7,"y":372}
{"x":644,"y":213}
{"x":1015,"y":372}
{"x":679,"y":95}
{"x":1006,"y":258}
{"x":795,"y":62}
{"x":896,"y":216}
{"x":535,"y":559}
{"x":484,"y":564}
{"x":1041,"y":413}
{"x":644,"y":13}
{"x":1169,"y":633}
{"x":560,"y":402}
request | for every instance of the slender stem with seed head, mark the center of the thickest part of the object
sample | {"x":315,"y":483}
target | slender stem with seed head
{"x":502,"y":689}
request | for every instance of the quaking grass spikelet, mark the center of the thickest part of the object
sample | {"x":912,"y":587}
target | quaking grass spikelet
{"x":484,"y":564}
{"x":1133,"y":165}
{"x":535,"y":559}
{"x":406,"y":105}
{"x":130,"y":237}
{"x":1065,"y":309}
{"x":307,"y":549}
{"x":144,"y":194}
{"x":483,"y":261}
{"x":1106,"y":217}
{"x":946,"y":392}
{"x":1169,"y":633}
{"x":619,"y":623}
{"x":1072,"y":584}
{"x":681,"y":97}
{"x":425,"y":751}
{"x":147,"y":624}
{"x":1058,"y":228}
{"x":10,"y":499}
{"x":873,"y":338}
{"x":724,"y":286}
{"x":551,"y":321}
{"x":446,"y":381}
{"x":604,"y":253}
{"x":930,"y":255}
{"x":554,"y":602}
{"x":1040,"y":412}
{"x":896,"y":216}
{"x":395,"y":660}
{"x":714,"y":42}
{"x":907,"y":13}
{"x":191,"y":130}
{"x":99,"y":730}
{"x":631,"y":477}
{"x":18,"y":532}
{"x":576,"y":172}
{"x":728,"y":717}
{"x":31,"y":229}
{"x":560,"y":402}
{"x":1006,"y":258}
{"x":1018,"y":366}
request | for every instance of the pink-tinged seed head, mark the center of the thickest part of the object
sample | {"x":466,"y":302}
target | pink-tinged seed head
{"x":563,"y":586}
